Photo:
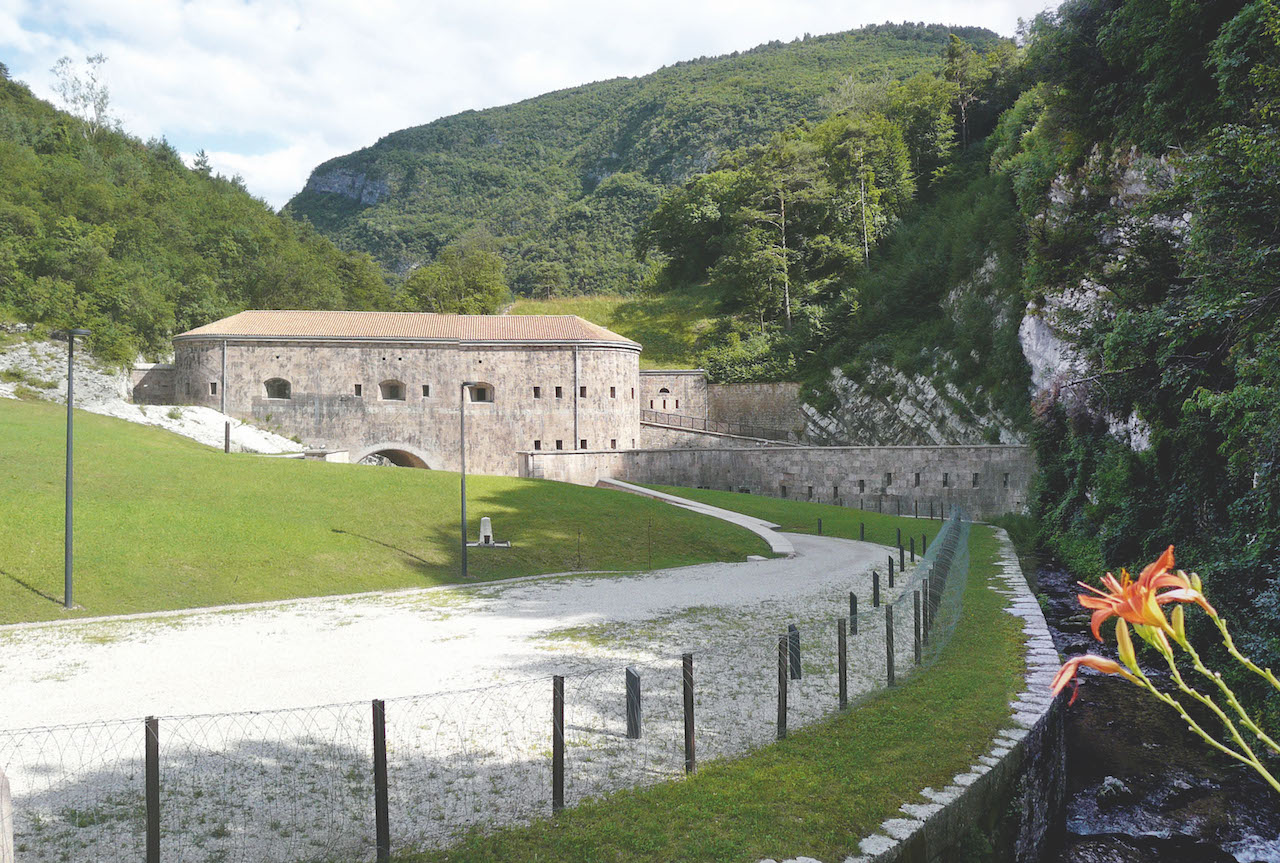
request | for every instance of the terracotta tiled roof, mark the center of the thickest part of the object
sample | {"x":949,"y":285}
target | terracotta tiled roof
{"x":409,"y":325}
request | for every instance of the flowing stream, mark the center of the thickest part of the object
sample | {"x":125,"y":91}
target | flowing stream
{"x":1141,"y":787}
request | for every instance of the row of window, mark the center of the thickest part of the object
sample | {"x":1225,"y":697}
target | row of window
{"x":888,"y":481}
{"x":582,"y":444}
{"x":396,"y":391}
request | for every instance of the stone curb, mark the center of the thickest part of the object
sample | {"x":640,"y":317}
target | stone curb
{"x":1031,"y":708}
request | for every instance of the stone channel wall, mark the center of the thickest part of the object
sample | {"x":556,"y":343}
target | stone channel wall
{"x":986,"y":480}
{"x":1014,"y":796}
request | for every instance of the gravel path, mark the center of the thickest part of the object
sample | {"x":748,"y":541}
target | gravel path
{"x":260,"y":773}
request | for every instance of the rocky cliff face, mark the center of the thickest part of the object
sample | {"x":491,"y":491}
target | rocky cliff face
{"x":350,"y":184}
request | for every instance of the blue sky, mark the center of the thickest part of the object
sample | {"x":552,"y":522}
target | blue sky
{"x":271,"y":89}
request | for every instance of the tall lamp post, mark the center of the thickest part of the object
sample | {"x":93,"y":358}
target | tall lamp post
{"x":462,"y":444}
{"x":66,"y":557}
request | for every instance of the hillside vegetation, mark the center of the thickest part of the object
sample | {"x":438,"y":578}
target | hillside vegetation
{"x":563,"y":180}
{"x":163,"y":522}
{"x":101,"y":230}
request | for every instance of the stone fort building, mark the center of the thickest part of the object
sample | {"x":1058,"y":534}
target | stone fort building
{"x":554,"y":397}
{"x":390,"y":383}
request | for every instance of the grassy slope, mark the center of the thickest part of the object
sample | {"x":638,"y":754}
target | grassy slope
{"x":668,"y":325}
{"x":163,"y":522}
{"x":818,"y":792}
{"x":802,"y":516}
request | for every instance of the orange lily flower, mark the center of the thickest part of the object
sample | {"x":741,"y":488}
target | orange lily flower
{"x":1139,"y":601}
{"x":1069,"y":671}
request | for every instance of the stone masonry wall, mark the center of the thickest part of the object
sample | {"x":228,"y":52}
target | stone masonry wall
{"x":658,"y":436}
{"x":768,"y":405}
{"x":152,"y":384}
{"x":985,"y":480}
{"x":687,"y":391}
{"x":325,"y":411}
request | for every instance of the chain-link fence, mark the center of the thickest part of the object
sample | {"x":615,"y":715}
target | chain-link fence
{"x":350,"y":782}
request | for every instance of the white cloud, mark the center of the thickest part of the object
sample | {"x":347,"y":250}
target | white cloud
{"x":272,"y":88}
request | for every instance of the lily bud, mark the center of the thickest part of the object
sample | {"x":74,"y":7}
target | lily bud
{"x":1179,"y":624}
{"x":1125,"y":644}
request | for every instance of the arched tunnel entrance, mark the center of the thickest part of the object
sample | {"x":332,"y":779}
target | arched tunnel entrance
{"x":395,"y":458}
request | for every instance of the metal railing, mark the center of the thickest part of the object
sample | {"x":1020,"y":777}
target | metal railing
{"x":715,"y":426}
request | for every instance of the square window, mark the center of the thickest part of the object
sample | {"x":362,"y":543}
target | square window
{"x":583,"y":443}
{"x":613,"y":443}
{"x":559,"y":444}
{"x":613,"y":392}
{"x":582,"y":392}
{"x":426,"y":391}
{"x":559,"y":392}
{"x":213,"y":390}
{"x":537,"y":444}
{"x":481,"y":394}
{"x":537,"y":392}
{"x":359,"y":389}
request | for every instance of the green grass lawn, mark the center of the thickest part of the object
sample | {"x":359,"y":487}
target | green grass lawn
{"x":668,"y":325}
{"x":163,"y":522}
{"x":825,"y":787}
{"x":797,"y":516}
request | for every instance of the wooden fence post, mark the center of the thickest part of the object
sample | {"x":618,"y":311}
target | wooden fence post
{"x":875,"y":589}
{"x":557,"y":743}
{"x":793,"y":650}
{"x":690,"y":758}
{"x":381,"y":806}
{"x":888,"y":642}
{"x":633,"y":704}
{"x":782,"y":687}
{"x":152,"y":730}
{"x":853,"y":613}
{"x":842,"y":655}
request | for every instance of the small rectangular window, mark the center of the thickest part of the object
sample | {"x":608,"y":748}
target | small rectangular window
{"x":1006,"y":480}
{"x":559,"y":392}
{"x":559,"y":444}
{"x":783,"y":489}
{"x":613,"y":443}
{"x":481,"y":394}
{"x":888,"y":479}
{"x":213,"y":391}
{"x":359,"y":389}
{"x":633,"y":392}
{"x":835,"y":491}
{"x":613,"y":392}
{"x":633,"y":443}
{"x":975,"y":480}
{"x":810,"y":492}
{"x":946,"y":479}
{"x":917,"y":480}
{"x":862,"y":486}
{"x":677,"y":404}
{"x":582,"y":392}
{"x":537,"y":444}
{"x":537,"y":392}
{"x":650,"y":404}
{"x":426,"y":391}
{"x":583,"y":443}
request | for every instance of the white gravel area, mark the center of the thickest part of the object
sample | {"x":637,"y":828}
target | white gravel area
{"x":465,"y":672}
{"x":39,"y":369}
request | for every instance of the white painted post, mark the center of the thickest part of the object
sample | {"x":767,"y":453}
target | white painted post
{"x":6,"y":821}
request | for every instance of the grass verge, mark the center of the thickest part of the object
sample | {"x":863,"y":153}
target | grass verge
{"x":821,"y":790}
{"x":163,"y":522}
{"x":797,"y":516}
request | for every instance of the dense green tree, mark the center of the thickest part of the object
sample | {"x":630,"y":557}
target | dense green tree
{"x":467,"y":278}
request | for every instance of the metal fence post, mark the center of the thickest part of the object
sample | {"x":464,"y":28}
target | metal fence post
{"x":557,"y":743}
{"x":853,"y":613}
{"x":891,"y":570}
{"x":381,"y":807}
{"x":6,"y":821}
{"x":793,"y":650}
{"x":782,"y":687}
{"x":842,"y":657}
{"x":913,"y":549}
{"x":226,"y":436}
{"x":152,"y":727}
{"x":862,"y":530}
{"x":819,"y":527}
{"x":924,"y":543}
{"x":888,"y":642}
{"x":690,"y":758}
{"x":633,"y":704}
{"x":924,"y":628}
{"x":875,"y":589}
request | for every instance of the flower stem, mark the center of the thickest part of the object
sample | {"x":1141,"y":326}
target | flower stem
{"x":1231,"y":696}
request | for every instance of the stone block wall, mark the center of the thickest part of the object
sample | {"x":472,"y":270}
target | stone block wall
{"x":658,"y":436}
{"x":153,"y":384}
{"x":686,"y":391}
{"x":770,"y":405}
{"x":984,"y":480}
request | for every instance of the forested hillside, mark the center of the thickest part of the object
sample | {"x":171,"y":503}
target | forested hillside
{"x":101,"y":230}
{"x":561,"y":182}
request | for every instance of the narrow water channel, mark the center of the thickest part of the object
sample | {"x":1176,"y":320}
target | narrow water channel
{"x":1141,"y":787}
